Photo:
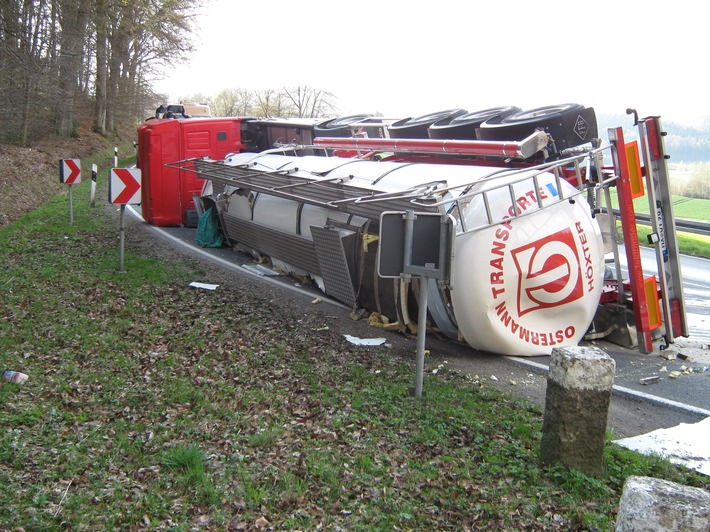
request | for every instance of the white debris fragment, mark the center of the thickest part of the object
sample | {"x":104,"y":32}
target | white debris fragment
{"x":204,"y":286}
{"x":364,"y":341}
{"x":684,"y":444}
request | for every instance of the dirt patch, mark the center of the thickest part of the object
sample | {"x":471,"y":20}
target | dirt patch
{"x":30,"y":176}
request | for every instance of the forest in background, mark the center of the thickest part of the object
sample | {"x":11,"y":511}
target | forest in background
{"x":67,"y":61}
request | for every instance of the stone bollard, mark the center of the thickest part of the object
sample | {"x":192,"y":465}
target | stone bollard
{"x":579,"y":386}
{"x":659,"y":505}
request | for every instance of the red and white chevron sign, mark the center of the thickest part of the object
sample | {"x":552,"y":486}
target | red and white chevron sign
{"x":124,"y":186}
{"x":70,"y":171}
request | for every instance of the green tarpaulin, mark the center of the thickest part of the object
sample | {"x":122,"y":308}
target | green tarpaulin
{"x":208,"y":232}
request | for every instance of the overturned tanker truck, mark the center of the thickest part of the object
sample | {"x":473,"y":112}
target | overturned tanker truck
{"x":526,"y":192}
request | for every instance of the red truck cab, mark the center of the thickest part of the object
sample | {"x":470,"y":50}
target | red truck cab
{"x":167,"y":191}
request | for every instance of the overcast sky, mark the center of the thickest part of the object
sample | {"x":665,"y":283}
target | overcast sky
{"x":409,"y":58}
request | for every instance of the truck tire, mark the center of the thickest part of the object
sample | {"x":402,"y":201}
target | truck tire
{"x":568,"y":124}
{"x":463,"y":127}
{"x":337,"y":127}
{"x":418,"y":127}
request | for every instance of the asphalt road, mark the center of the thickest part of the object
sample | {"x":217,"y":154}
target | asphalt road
{"x":636,"y":408}
{"x":695,"y":273}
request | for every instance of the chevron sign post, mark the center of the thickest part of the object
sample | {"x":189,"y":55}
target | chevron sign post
{"x":70,"y":171}
{"x":124,"y":188}
{"x":70,"y":174}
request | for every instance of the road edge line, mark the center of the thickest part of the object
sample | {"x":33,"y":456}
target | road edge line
{"x":622,"y":391}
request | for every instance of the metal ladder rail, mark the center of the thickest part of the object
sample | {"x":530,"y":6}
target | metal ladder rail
{"x":663,"y":237}
{"x":279,"y":183}
{"x":428,"y":196}
{"x":422,"y":195}
{"x":219,"y":175}
{"x":514,"y":210}
{"x":241,"y":176}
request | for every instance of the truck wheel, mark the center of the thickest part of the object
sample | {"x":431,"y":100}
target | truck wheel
{"x":337,"y":127}
{"x":464,"y":126}
{"x":568,"y":125}
{"x":522,"y":124}
{"x":539,"y":113}
{"x":417,"y":128}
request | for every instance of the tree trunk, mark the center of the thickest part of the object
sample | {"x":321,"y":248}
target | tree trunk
{"x":101,"y":22}
{"x":73,"y":21}
{"x":118,"y":59}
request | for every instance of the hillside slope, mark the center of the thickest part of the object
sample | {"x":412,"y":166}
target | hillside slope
{"x":30,"y":176}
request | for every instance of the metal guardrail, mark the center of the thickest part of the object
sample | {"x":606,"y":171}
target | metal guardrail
{"x":688,"y":226}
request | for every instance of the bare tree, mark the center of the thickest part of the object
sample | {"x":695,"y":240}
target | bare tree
{"x":101,"y":22}
{"x":145,"y":37}
{"x":118,"y":39}
{"x":272,"y":102}
{"x":60,"y":57}
{"x":698,"y":186}
{"x":309,"y":102}
{"x":234,"y":102}
{"x":27,"y":31}
{"x":74,"y":17}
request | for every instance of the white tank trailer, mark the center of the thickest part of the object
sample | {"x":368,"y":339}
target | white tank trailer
{"x":527,"y":258}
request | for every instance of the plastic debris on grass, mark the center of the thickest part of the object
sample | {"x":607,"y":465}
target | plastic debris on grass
{"x":364,"y":341}
{"x":204,"y":286}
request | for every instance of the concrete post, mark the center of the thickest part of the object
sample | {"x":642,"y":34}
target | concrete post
{"x":579,"y":387}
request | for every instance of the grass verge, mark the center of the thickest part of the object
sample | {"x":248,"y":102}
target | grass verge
{"x":153,"y":405}
{"x":687,"y":208}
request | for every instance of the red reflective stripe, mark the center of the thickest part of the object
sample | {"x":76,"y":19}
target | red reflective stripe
{"x":654,"y":141}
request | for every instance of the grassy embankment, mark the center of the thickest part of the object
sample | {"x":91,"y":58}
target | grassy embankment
{"x":150,"y":404}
